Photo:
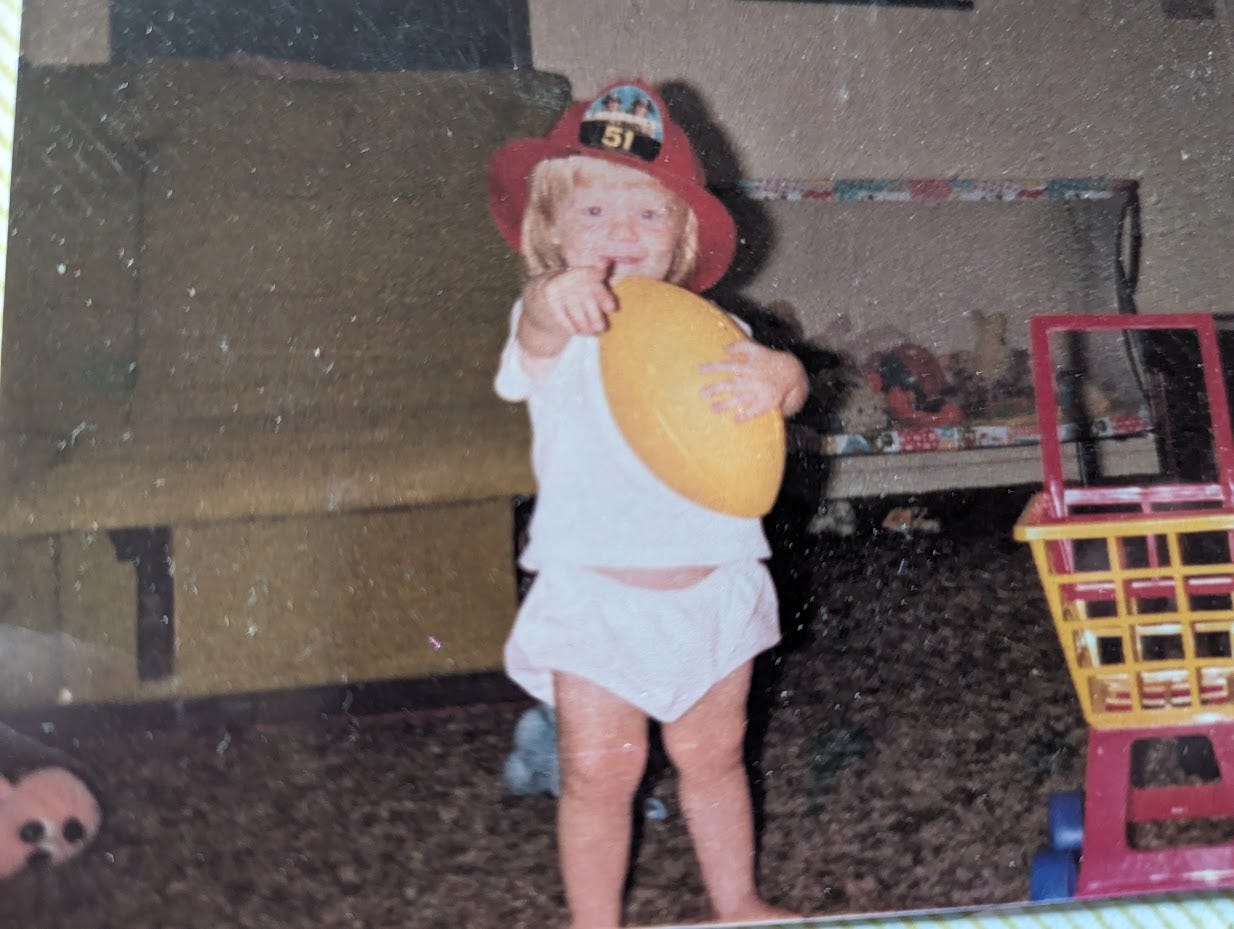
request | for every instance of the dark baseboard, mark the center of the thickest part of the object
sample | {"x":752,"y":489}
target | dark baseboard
{"x":350,"y":704}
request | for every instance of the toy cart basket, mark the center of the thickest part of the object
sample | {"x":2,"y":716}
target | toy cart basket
{"x":1139,"y":579}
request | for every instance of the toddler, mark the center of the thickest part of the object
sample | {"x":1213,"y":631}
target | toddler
{"x":645,"y":604}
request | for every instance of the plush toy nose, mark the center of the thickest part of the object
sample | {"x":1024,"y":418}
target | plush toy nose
{"x":39,"y":860}
{"x":74,"y":831}
{"x":32,"y":832}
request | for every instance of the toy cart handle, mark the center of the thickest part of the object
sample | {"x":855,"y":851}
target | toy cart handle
{"x":1039,"y":330}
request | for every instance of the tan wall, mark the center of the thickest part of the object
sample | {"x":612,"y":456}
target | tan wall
{"x":860,"y":277}
{"x":1012,"y":88}
{"x":59,"y":32}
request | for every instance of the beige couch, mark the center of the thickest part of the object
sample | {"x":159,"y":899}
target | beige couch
{"x":254,"y":322}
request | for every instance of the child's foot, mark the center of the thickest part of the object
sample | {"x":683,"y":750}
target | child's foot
{"x":756,"y":910}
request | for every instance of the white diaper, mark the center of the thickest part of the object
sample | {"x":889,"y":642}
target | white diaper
{"x":660,"y":650}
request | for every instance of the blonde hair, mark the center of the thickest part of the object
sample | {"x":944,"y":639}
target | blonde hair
{"x":551,"y":181}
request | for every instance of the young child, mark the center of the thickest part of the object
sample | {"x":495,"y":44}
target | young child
{"x":645,"y":604}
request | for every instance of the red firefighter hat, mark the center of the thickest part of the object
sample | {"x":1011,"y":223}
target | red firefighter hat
{"x":629,"y":125}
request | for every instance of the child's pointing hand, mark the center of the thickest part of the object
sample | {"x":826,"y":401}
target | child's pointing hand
{"x":576,"y":301}
{"x":758,"y":379}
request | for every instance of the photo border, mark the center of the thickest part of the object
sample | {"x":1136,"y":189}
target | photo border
{"x":1184,"y":912}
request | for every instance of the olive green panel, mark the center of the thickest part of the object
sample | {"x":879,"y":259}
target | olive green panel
{"x":303,"y":602}
{"x":211,"y":270}
{"x":31,"y":672}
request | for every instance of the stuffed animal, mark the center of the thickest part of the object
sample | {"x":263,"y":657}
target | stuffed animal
{"x":991,"y":354}
{"x":907,"y":520}
{"x":532,"y":768}
{"x":862,"y":409}
{"x":915,"y":386}
{"x":48,"y":814}
{"x":837,"y":517}
{"x":1092,"y":399}
{"x":993,"y":381}
{"x":970,"y":392}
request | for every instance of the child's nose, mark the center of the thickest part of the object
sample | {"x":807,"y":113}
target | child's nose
{"x":622,"y":228}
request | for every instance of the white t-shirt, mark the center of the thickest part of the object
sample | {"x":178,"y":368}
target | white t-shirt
{"x":597,"y":504}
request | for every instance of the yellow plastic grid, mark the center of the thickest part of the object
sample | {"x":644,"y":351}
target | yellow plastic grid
{"x":1144,"y":610}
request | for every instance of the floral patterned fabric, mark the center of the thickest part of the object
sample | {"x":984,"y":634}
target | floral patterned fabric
{"x":970,"y":435}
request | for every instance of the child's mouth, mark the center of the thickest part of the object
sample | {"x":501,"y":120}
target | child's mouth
{"x":624,"y":265}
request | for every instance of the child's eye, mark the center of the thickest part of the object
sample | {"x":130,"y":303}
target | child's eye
{"x":594,"y":211}
{"x":651,"y":214}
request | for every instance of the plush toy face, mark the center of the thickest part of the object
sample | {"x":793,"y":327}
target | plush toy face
{"x":864,"y":410}
{"x":46,"y":818}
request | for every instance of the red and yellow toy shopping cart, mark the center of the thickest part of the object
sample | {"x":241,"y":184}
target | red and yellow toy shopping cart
{"x":1140,"y":584}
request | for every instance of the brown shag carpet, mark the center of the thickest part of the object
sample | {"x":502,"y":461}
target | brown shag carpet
{"x":905,"y":739}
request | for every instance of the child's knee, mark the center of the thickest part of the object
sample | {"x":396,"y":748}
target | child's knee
{"x":613,"y":771}
{"x":707,"y":753}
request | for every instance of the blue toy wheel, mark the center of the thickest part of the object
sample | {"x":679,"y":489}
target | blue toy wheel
{"x":1053,"y":876}
{"x":1066,"y":819}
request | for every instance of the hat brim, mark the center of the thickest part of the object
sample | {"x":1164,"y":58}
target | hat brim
{"x":513,"y":163}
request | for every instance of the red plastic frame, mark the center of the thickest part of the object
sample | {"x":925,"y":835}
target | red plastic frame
{"x":1110,"y":865}
{"x":1039,"y":330}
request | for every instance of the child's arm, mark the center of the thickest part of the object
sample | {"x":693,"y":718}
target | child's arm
{"x":759,"y":379}
{"x":558,"y":306}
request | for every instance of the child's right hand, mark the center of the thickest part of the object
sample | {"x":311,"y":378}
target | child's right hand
{"x":567,"y":303}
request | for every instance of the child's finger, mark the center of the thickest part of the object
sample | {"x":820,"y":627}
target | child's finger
{"x":740,"y":412}
{"x":739,"y":356}
{"x":592,"y":320}
{"x":607,"y":299}
{"x":742,"y":350}
{"x":580,"y":318}
{"x":607,"y":302}
{"x":597,"y":318}
{"x":592,"y":285}
{"x":728,"y":402}
{"x":720,"y":367}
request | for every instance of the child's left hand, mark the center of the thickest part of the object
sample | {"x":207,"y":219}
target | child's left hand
{"x":758,"y":379}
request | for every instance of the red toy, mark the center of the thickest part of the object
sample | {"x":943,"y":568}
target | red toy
{"x":48,"y":814}
{"x":915,"y":385}
{"x":1140,"y":583}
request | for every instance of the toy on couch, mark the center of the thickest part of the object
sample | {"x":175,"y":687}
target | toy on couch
{"x":916,"y":387}
{"x":48,"y":814}
{"x":862,"y":410}
{"x":992,"y":381}
{"x":992,"y":356}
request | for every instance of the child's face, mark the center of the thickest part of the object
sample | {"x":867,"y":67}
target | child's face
{"x":618,"y":216}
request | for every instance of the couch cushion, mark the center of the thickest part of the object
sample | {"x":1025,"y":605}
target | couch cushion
{"x":189,"y":475}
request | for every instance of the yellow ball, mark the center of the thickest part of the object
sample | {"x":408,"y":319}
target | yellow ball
{"x":649,"y":359}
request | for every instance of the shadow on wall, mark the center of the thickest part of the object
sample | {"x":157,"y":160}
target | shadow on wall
{"x":755,"y":231}
{"x":757,"y":237}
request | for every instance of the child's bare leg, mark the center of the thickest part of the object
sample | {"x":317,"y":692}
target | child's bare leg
{"x":705,"y":745}
{"x":602,"y":742}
